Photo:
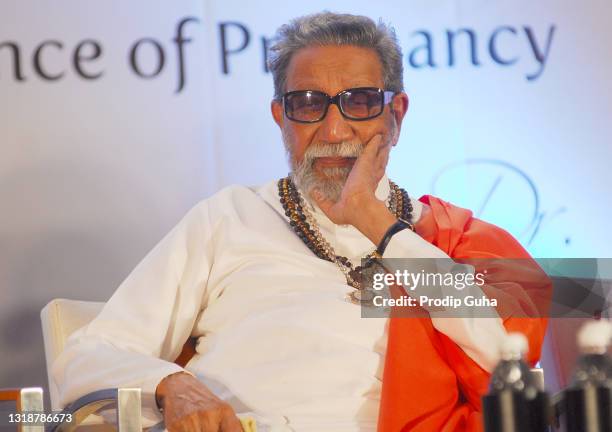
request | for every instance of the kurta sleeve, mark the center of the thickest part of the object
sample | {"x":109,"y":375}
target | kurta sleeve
{"x":142,"y":328}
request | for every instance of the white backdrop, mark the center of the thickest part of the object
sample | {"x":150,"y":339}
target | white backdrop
{"x":93,"y":171}
{"x":533,"y":150}
{"x":98,"y":161}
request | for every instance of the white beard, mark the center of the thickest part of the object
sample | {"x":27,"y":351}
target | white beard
{"x":328,"y":181}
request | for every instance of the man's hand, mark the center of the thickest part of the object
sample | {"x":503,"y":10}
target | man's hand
{"x":358,"y":205}
{"x":188,"y":405}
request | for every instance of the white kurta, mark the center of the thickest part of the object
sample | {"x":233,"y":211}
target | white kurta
{"x":276,"y":334}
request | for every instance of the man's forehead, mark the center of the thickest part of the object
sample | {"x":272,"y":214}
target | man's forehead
{"x":334,"y":68}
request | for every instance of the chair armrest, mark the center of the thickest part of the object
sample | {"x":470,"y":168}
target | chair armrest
{"x":126,"y":401}
{"x":27,"y":399}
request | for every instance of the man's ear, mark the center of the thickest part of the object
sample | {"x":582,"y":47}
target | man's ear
{"x":399,"y":107}
{"x":277,"y":112}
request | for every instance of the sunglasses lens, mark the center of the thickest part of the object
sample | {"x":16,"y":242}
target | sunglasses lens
{"x":306,"y":106}
{"x":362,"y":103}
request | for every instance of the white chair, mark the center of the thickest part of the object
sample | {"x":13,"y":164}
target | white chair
{"x":60,"y":318}
{"x":26,"y":400}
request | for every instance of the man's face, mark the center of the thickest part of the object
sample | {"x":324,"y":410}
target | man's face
{"x":322,"y":154}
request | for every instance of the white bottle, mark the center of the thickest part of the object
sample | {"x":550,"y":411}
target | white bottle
{"x":588,"y":400}
{"x":514,"y":402}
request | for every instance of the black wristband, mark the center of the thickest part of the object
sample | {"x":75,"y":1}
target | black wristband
{"x":398,"y":226}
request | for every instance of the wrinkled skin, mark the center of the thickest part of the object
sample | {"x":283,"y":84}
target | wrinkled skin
{"x":189,"y":406}
{"x":332,"y":69}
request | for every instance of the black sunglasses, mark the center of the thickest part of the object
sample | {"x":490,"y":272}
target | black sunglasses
{"x":311,"y":106}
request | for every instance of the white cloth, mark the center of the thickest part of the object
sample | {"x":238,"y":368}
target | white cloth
{"x":277,"y":336}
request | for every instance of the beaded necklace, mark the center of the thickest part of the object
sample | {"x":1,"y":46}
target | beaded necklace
{"x":306,"y":227}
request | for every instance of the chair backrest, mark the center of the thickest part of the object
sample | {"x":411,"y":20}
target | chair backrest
{"x":60,"y":318}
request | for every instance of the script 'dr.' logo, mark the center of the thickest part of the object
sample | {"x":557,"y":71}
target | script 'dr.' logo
{"x":498,"y":192}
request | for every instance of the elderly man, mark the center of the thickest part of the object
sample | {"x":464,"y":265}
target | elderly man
{"x":267,"y":278}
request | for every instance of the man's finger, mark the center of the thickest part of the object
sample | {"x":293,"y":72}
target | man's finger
{"x":383,"y":147}
{"x":378,"y":161}
{"x":371,"y":150}
{"x":383,"y":156}
{"x":375,"y":144}
{"x":375,"y":140}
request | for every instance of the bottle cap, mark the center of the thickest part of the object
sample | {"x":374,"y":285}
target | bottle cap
{"x":594,"y":337}
{"x":514,"y":346}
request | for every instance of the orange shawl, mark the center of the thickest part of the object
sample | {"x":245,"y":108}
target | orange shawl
{"x":429,"y":383}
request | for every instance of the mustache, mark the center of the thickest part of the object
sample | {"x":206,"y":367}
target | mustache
{"x":304,"y":175}
{"x":344,"y":149}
